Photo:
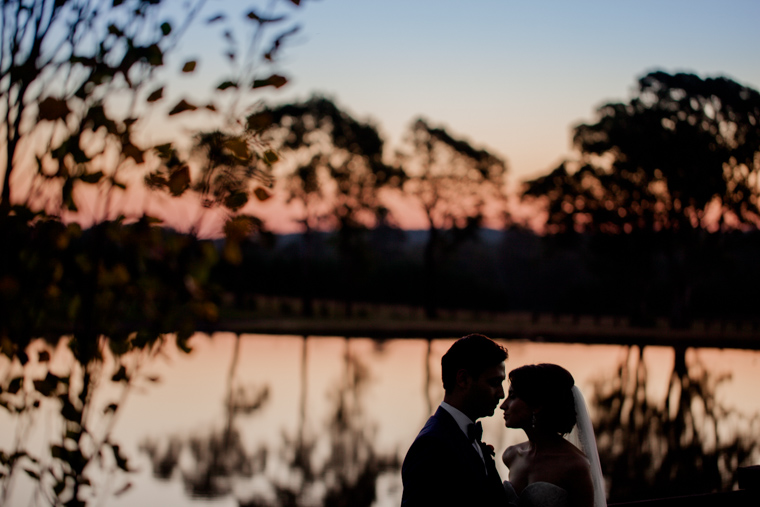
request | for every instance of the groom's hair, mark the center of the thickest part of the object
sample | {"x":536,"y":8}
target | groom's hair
{"x":473,"y":353}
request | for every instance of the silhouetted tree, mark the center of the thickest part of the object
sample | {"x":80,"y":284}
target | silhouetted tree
{"x":683,"y":153}
{"x":332,"y":166}
{"x":77,"y":81}
{"x":454,"y":184}
{"x":680,"y":159}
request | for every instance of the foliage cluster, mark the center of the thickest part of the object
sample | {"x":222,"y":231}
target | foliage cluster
{"x":683,"y":154}
{"x":79,"y":80}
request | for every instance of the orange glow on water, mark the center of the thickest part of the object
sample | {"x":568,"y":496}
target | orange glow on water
{"x":394,"y":399}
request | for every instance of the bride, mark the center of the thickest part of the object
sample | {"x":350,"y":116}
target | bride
{"x":548,"y":470}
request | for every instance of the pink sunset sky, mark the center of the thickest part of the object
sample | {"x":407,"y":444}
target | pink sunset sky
{"x":511,"y":77}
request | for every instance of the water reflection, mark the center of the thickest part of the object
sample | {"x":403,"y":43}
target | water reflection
{"x":61,"y":411}
{"x":686,"y":443}
{"x":334,"y":465}
{"x":255,"y":420}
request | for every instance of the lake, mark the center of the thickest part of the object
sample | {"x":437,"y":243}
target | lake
{"x":310,"y":417}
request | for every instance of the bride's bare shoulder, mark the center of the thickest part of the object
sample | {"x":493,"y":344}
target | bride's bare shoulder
{"x":512,"y":452}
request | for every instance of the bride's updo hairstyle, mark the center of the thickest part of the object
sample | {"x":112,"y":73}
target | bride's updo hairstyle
{"x":548,"y":386}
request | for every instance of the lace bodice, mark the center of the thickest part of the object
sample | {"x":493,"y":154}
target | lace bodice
{"x":537,"y":494}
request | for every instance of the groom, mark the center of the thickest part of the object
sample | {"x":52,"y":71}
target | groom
{"x":448,"y":465}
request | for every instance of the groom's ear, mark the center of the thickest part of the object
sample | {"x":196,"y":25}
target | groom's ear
{"x":463,"y":378}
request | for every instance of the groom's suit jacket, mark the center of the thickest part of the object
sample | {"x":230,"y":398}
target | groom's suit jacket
{"x":442,"y":468}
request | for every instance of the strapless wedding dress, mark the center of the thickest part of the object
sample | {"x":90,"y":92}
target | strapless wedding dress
{"x":537,"y":494}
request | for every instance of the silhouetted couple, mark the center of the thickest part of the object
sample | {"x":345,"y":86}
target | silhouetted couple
{"x":449,"y":465}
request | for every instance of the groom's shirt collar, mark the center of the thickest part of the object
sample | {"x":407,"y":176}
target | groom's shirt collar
{"x":462,"y":420}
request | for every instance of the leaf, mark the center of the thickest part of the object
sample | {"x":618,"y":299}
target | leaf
{"x":232,"y":253}
{"x":69,"y":411}
{"x":52,"y":109}
{"x":96,"y":117}
{"x":262,"y":194}
{"x":15,"y":385}
{"x":238,"y":147}
{"x":236,"y":200}
{"x":183,"y":336}
{"x":227,"y":84}
{"x":117,"y":3}
{"x":120,"y":375}
{"x":123,"y":489}
{"x":110,"y":408}
{"x":214,"y":19}
{"x":121,"y":461}
{"x":181,"y":107}
{"x":270,"y":157}
{"x":261,"y":20}
{"x":92,"y":177}
{"x":166,"y":28}
{"x":259,"y":121}
{"x":179,"y":180}
{"x":48,"y":385}
{"x":32,"y":473}
{"x":165,"y":151}
{"x":115,"y":30}
{"x":275,"y":80}
{"x":154,"y":55}
{"x":43,"y":356}
{"x":57,"y":451}
{"x":189,"y":66}
{"x":156,"y":94}
{"x":154,"y":180}
{"x":277,"y":43}
{"x":131,"y":151}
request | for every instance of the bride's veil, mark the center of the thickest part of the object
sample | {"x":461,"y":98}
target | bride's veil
{"x":583,"y":438}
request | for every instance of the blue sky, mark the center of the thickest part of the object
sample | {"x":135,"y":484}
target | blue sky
{"x":510,"y":76}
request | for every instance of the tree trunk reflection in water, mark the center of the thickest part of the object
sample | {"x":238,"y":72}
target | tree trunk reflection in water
{"x":304,"y":391}
{"x":336,"y":465}
{"x":688,"y":444}
{"x":428,"y":380}
{"x":219,"y":457}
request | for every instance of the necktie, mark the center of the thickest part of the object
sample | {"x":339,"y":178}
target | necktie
{"x":475,"y":431}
